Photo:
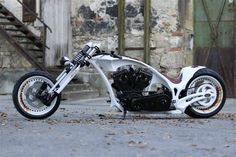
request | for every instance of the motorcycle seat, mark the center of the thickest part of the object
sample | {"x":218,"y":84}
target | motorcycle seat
{"x":175,"y":80}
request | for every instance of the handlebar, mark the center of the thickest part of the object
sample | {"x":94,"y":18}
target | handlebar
{"x":90,"y":50}
{"x":86,"y":53}
{"x":112,"y":54}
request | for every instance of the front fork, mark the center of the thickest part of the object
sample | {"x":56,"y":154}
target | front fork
{"x":62,"y":81}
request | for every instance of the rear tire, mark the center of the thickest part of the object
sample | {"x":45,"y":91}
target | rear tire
{"x":25,"y":100}
{"x":206,"y":79}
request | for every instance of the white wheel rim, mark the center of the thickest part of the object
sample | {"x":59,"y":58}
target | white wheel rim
{"x":27,"y":100}
{"x":207,"y":84}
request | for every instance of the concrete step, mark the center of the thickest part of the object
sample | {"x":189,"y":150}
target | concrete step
{"x":86,"y":80}
{"x":55,"y":71}
{"x":78,"y":91}
{"x":79,"y":95}
{"x":87,"y":77}
{"x":78,"y":87}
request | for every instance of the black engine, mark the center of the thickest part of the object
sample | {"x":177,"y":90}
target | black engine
{"x":130,"y":83}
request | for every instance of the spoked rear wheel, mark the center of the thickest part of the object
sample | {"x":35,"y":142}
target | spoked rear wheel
{"x":24,"y":96}
{"x":206,"y":80}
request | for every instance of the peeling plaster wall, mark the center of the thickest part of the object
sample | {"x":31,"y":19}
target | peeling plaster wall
{"x":12,"y":66}
{"x":56,"y":13}
{"x":166,"y":36}
{"x":93,"y":20}
{"x":9,"y":58}
{"x":97,"y":21}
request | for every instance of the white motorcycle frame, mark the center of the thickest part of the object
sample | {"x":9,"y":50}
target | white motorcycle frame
{"x":107,"y":63}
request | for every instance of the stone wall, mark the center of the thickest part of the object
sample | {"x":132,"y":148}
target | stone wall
{"x":97,"y":21}
{"x":12,"y":66}
{"x":9,"y":59}
{"x":170,"y":37}
{"x":94,"y":20}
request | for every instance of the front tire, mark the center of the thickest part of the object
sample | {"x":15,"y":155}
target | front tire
{"x":24,"y":96}
{"x":207,"y":80}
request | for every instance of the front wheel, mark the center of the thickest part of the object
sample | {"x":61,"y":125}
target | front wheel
{"x":24,"y":96}
{"x":209,"y":81}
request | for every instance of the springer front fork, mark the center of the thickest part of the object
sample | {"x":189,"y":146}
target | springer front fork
{"x":62,"y":81}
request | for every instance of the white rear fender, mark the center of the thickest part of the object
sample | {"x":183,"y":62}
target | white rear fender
{"x":187,"y":73}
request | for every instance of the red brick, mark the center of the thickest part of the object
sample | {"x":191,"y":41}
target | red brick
{"x":176,"y":49}
{"x":177,"y":34}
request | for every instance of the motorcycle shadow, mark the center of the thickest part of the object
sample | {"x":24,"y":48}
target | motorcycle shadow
{"x":160,"y":116}
{"x":142,"y":116}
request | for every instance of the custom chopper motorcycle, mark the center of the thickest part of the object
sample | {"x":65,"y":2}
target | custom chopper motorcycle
{"x":133,"y":86}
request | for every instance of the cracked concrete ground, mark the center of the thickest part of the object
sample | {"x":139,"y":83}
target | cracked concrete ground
{"x":91,"y":128}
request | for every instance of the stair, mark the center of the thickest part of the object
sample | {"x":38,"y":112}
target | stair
{"x":22,"y":39}
{"x":32,"y":48}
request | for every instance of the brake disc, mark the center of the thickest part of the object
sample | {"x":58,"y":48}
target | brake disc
{"x":30,"y":95}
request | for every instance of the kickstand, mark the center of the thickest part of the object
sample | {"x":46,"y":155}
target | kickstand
{"x":124,"y":114}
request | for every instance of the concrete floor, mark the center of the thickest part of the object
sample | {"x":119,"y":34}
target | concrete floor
{"x":91,"y":128}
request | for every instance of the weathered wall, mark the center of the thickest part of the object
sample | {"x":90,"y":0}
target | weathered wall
{"x":12,"y":64}
{"x":13,"y":6}
{"x":9,"y":58}
{"x":170,"y":37}
{"x":97,"y":20}
{"x":56,"y":13}
{"x":94,"y":20}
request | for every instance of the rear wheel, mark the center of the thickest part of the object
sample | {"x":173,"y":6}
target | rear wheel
{"x":206,"y":80}
{"x":24,"y":96}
